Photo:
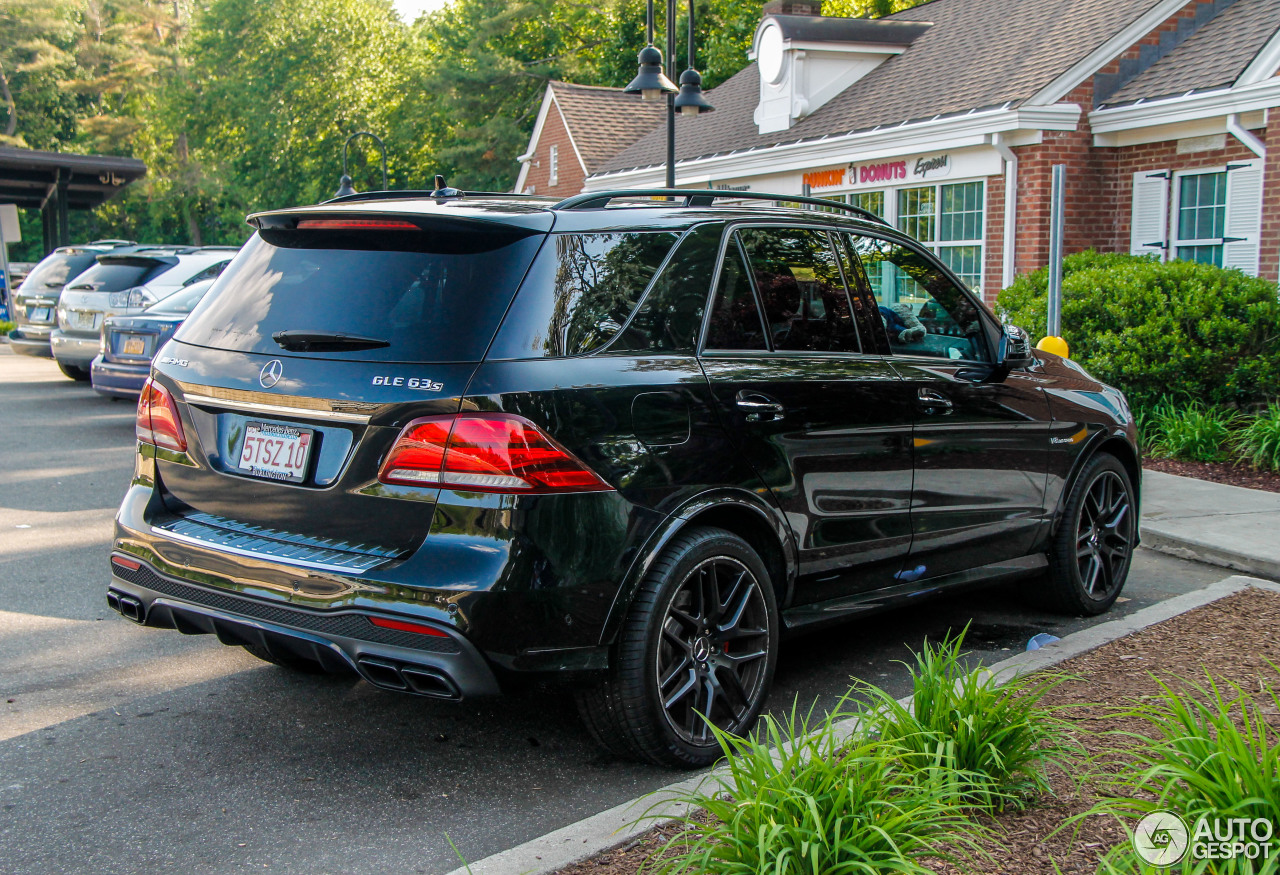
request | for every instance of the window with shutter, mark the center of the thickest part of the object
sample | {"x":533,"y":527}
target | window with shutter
{"x":1243,"y":216}
{"x":1148,"y":234}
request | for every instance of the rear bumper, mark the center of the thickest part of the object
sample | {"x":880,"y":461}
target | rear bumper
{"x":27,"y":342}
{"x":442,"y":667}
{"x":117,"y":379}
{"x":72,"y":350}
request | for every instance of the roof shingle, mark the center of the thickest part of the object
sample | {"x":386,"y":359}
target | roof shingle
{"x":603,"y":121}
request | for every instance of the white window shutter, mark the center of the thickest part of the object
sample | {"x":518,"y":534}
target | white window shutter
{"x":1244,"y":216}
{"x":1148,"y":225}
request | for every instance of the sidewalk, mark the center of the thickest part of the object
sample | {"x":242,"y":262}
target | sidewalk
{"x":1211,"y":522}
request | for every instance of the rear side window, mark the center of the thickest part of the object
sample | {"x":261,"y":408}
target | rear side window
{"x":670,"y":316}
{"x":113,"y":277}
{"x":735,"y":317}
{"x":433,"y":296}
{"x":806,"y":307}
{"x":56,"y":271}
{"x":580,"y":292}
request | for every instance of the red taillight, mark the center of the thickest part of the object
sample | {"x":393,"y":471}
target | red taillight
{"x":356,"y":225}
{"x":130,"y":564}
{"x":402,"y":626}
{"x":158,"y":422}
{"x":485,"y":452}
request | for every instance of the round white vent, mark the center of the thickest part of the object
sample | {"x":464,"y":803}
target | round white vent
{"x":769,"y":54}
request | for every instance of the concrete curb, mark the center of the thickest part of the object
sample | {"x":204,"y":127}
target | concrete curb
{"x":625,"y":822}
{"x":1185,"y":547}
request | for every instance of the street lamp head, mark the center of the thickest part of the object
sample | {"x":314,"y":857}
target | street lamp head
{"x":690,"y":100}
{"x":344,"y":187}
{"x":651,"y":83}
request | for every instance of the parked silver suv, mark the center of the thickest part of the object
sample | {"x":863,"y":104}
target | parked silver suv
{"x":124,"y":284}
{"x":35,"y":300}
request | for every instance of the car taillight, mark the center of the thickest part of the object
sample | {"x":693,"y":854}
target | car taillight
{"x":485,"y":452}
{"x":356,"y":225}
{"x":158,"y":423}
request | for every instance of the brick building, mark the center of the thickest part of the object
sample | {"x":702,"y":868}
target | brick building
{"x":931,"y":117}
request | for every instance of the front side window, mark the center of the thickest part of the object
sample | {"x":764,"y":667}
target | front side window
{"x":1201,"y":217}
{"x":922,"y":310}
{"x":801,"y":290}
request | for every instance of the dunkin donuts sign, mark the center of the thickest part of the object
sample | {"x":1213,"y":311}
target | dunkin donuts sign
{"x":924,"y":167}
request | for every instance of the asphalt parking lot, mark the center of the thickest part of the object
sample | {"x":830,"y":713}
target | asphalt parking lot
{"x":124,"y":749}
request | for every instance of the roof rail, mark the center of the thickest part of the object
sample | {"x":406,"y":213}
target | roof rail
{"x":704,"y":197}
{"x":391,"y":195}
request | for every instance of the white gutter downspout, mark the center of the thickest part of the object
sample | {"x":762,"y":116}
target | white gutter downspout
{"x":1010,"y":208}
{"x":1250,"y":140}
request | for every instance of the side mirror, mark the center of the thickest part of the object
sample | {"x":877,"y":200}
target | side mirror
{"x":1015,"y":349}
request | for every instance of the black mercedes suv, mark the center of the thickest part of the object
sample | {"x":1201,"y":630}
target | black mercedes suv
{"x":446,"y":440}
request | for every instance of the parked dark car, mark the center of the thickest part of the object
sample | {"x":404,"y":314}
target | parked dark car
{"x":129,"y":342}
{"x":450,"y":441}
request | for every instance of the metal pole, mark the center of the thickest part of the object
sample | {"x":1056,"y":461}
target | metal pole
{"x":1056,"y":215}
{"x":6,"y":304}
{"x":671,"y":98}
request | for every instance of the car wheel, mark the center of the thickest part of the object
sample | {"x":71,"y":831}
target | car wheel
{"x":286,"y":660}
{"x":79,"y":374}
{"x":700,"y":640}
{"x":1091,"y":552}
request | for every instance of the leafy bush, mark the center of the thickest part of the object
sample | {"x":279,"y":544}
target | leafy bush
{"x":5,"y":327}
{"x":1152,"y":329}
{"x":1258,"y":442}
{"x":817,"y":804}
{"x":1194,"y":431}
{"x":992,"y":740}
{"x":1208,"y":752}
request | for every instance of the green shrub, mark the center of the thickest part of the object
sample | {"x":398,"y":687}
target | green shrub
{"x":1194,"y":431}
{"x":802,"y":800}
{"x":1207,"y":752}
{"x":1258,"y":442}
{"x":992,"y":740}
{"x":5,"y":327}
{"x":1152,"y":329}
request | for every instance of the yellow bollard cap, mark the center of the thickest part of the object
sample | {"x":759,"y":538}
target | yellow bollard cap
{"x":1055,"y":345}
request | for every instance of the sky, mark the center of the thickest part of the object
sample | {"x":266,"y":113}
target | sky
{"x":410,"y":9}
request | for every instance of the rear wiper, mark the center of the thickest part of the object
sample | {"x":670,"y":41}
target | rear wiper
{"x":325,"y":341}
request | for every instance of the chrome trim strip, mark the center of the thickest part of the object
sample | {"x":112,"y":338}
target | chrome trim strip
{"x":276,"y":409}
{"x":251,"y":554}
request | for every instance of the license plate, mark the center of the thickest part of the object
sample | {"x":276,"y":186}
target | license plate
{"x":83,"y":318}
{"x":276,"y":452}
{"x":134,"y":346}
{"x":41,"y":314}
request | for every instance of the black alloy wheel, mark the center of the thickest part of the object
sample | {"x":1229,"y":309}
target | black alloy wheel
{"x":699,"y":645}
{"x":1093,"y":547}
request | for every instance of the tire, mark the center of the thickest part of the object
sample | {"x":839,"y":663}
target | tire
{"x":293,"y":663}
{"x":1092,"y":550}
{"x":75,"y":372}
{"x":703,"y":628}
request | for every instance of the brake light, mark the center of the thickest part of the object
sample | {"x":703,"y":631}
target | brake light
{"x":485,"y":452}
{"x":402,"y":626}
{"x":128,"y":564}
{"x":158,"y":423}
{"x":356,"y":225}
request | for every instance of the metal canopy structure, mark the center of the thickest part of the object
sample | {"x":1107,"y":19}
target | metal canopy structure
{"x":57,"y":182}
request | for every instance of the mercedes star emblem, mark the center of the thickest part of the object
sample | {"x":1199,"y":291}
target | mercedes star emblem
{"x":272,"y":371}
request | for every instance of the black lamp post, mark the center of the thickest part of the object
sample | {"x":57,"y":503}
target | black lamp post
{"x":344,"y":184}
{"x":651,"y":83}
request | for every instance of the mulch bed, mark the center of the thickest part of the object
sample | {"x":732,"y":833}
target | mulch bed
{"x":1232,"y":638}
{"x":1219,"y":472}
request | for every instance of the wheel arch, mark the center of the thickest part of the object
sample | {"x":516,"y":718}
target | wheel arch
{"x":1117,"y":445}
{"x":744,"y":514}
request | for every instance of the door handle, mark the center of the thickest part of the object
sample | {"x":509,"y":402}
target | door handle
{"x":933,"y":401}
{"x":759,"y":408}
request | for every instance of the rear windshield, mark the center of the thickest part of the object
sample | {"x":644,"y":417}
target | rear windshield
{"x":56,"y":271}
{"x":116,"y":277}
{"x":432,"y":296}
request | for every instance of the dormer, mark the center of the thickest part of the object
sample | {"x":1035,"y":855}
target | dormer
{"x":805,"y":59}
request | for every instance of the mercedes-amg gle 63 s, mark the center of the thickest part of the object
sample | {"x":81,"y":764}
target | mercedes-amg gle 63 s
{"x":447,"y":440}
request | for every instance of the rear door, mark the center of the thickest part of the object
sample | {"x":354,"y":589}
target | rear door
{"x":821,"y":419}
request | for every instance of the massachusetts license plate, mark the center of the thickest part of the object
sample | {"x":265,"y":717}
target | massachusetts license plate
{"x":274,"y":451}
{"x":134,"y":346}
{"x":41,"y":314}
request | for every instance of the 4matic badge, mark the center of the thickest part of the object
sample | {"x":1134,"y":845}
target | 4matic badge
{"x":421,"y":383}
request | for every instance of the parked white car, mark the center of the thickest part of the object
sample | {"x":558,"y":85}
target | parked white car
{"x":124,"y":284}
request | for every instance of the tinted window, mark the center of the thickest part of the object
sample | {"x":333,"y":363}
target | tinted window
{"x":116,"y":277}
{"x":435,"y":297}
{"x":923,"y":311}
{"x":799,"y":283}
{"x":735,"y":316}
{"x":580,"y":292}
{"x":56,"y":271}
{"x":670,"y":316}
{"x":183,"y":302}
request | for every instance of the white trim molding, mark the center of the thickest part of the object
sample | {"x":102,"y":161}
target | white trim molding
{"x":1248,"y":138}
{"x":547,"y":99}
{"x":1188,"y":107}
{"x":1264,"y":65}
{"x":1009,"y":239}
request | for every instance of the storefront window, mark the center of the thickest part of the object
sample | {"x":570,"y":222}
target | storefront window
{"x":917,"y":212}
{"x":871,"y":201}
{"x":1202,"y":217}
{"x":955,"y":212}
